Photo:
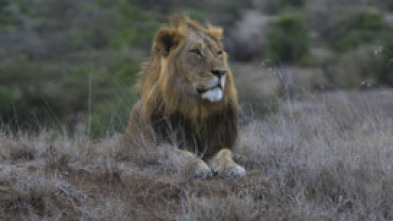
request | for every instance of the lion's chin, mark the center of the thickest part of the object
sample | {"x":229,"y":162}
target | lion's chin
{"x":213,"y":95}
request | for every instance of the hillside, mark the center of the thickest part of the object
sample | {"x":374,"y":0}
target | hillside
{"x":72,"y":65}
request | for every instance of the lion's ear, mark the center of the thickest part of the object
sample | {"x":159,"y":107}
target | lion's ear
{"x":166,"y":40}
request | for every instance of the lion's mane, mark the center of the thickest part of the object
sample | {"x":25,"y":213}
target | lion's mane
{"x":197,"y":125}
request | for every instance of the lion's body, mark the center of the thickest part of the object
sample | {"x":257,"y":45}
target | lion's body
{"x":188,"y":97}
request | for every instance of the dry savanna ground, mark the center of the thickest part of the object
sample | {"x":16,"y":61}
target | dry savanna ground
{"x":326,"y":156}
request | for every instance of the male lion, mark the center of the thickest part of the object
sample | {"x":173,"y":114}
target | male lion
{"x":188,"y":98}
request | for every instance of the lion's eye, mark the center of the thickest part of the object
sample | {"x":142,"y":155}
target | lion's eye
{"x":219,"y":53}
{"x":196,"y":51}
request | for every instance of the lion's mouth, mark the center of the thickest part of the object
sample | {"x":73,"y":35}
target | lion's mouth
{"x":202,"y":90}
{"x":212,"y":94}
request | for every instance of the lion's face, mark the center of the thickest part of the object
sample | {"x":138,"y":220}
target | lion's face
{"x":201,"y":67}
{"x":187,"y":72}
{"x":194,"y":62}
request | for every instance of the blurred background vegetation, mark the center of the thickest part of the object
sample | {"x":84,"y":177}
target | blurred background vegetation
{"x":71,"y":64}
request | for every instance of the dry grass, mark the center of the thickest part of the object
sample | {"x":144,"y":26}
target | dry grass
{"x":325,"y":157}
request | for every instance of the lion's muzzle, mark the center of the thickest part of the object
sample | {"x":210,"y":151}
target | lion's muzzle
{"x":215,"y":91}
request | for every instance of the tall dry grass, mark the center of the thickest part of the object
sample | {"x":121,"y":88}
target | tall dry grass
{"x":323,"y":157}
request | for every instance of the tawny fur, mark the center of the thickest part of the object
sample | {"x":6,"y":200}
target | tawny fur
{"x":171,"y":109}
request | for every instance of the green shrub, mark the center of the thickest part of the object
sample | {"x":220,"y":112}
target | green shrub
{"x":385,"y":76}
{"x":287,"y":39}
{"x":107,"y":94}
{"x":23,"y":98}
{"x":40,"y":92}
{"x":112,"y":114}
{"x":5,"y":17}
{"x":70,"y":60}
{"x":283,"y":4}
{"x":134,"y":28}
{"x":354,"y":67}
{"x":355,"y":29}
{"x":385,"y":4}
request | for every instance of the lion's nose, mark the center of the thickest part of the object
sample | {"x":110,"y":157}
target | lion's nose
{"x":219,"y":72}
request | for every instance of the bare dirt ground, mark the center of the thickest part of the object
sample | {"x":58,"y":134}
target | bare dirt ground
{"x":323,"y":157}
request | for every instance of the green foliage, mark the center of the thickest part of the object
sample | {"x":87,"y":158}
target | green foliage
{"x":23,"y":98}
{"x":69,"y":61}
{"x":287,"y":39}
{"x":352,"y":30}
{"x":195,"y":13}
{"x":5,"y":18}
{"x":125,"y":71}
{"x":127,"y":10}
{"x":112,"y":114}
{"x":354,"y":37}
{"x":222,"y":12}
{"x":63,"y":62}
{"x":386,"y":74}
{"x":359,"y":65}
{"x":9,"y":95}
{"x":28,"y":95}
{"x":385,"y":4}
{"x":283,"y":4}
{"x":124,"y":37}
{"x":142,"y":31}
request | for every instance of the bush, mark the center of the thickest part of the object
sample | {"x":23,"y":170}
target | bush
{"x":271,"y":7}
{"x":291,"y":3}
{"x":112,"y":114}
{"x":356,"y":66}
{"x":58,"y":50}
{"x":135,"y":28}
{"x":363,"y":64}
{"x":385,"y":4}
{"x":353,"y":30}
{"x":385,"y":76}
{"x":287,"y":39}
{"x":38,"y":94}
{"x":5,"y":18}
{"x":23,"y":98}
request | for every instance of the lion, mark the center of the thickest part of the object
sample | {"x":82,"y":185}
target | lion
{"x":188,"y":97}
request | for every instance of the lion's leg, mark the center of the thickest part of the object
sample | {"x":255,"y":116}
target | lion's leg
{"x":202,"y":170}
{"x":223,"y":164}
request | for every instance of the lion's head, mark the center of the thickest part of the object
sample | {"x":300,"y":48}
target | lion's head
{"x":187,"y":72}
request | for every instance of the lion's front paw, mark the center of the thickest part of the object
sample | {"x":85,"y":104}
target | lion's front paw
{"x":224,"y":166}
{"x":202,"y":170}
{"x":230,"y":170}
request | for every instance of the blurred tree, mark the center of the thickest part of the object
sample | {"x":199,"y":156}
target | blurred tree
{"x":5,"y":18}
{"x":354,"y":29}
{"x":287,"y":39}
{"x":386,"y":74}
{"x":291,"y":3}
{"x":61,"y":55}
